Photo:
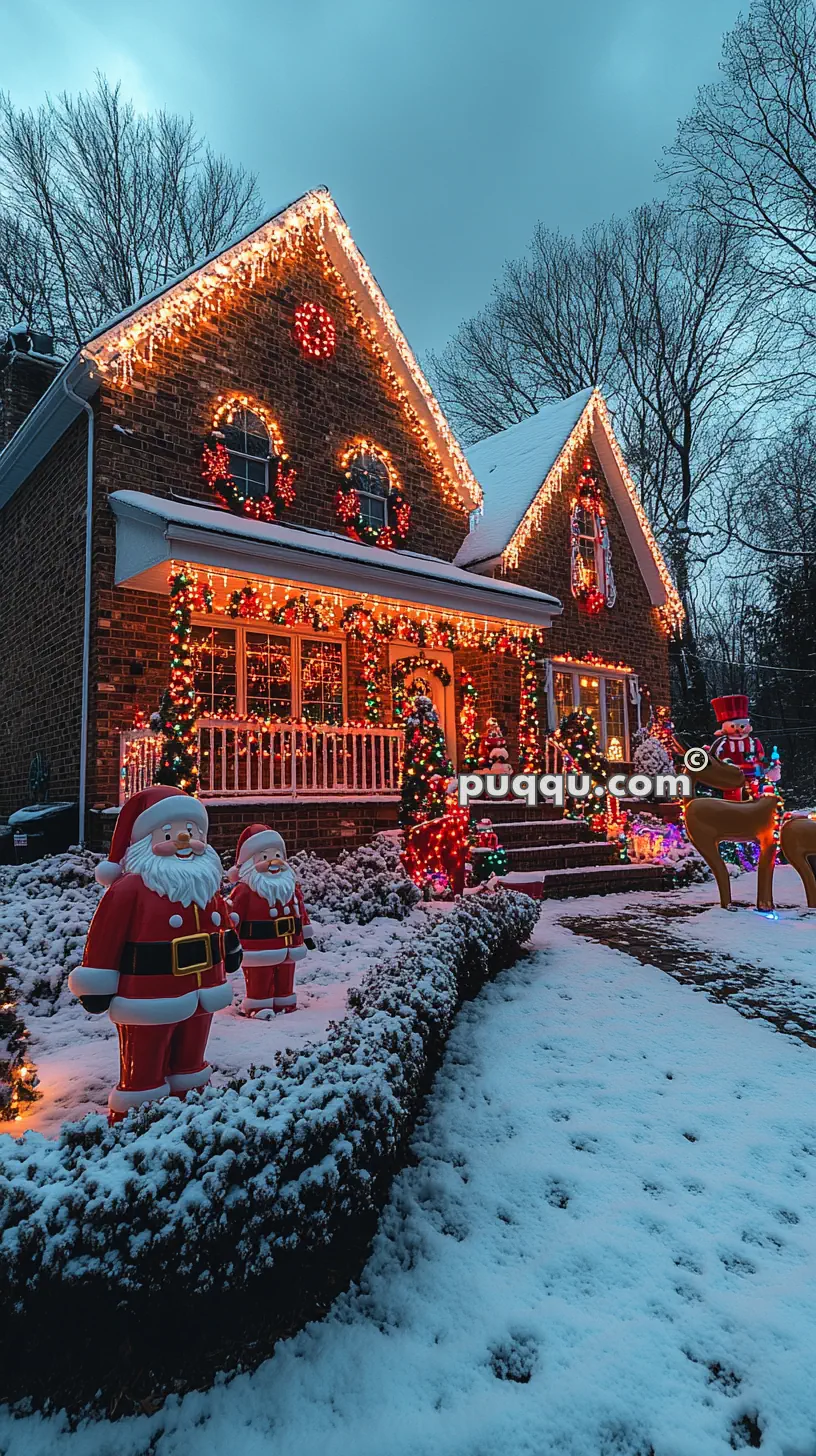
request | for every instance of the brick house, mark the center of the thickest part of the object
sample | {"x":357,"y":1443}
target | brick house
{"x":244,"y":491}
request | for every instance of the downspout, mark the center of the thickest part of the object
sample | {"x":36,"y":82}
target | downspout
{"x":86,"y":612}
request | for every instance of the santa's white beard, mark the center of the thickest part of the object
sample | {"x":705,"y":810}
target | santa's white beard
{"x":276,"y":889}
{"x":195,"y":879}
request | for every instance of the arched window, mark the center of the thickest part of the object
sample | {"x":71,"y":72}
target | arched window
{"x":247,"y":442}
{"x":369,"y":477}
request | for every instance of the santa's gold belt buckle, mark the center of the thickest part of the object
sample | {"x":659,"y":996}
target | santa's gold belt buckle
{"x":204,"y":942}
{"x":285,"y":925}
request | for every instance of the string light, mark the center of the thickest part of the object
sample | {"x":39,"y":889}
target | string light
{"x":529,"y":724}
{"x":315,"y":331}
{"x":592,"y":586}
{"x":216,"y":466}
{"x":467,"y":721}
{"x":401,"y":670}
{"x":181,"y":308}
{"x":347,"y":501}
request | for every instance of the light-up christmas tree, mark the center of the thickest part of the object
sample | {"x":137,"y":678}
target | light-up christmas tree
{"x":578,"y":736}
{"x":426,"y":767}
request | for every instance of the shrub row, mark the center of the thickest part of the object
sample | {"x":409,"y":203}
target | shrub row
{"x":143,"y":1258}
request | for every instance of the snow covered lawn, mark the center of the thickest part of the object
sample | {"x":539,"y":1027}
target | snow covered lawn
{"x":606,"y":1247}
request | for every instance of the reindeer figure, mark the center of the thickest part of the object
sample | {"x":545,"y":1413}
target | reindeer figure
{"x":710,"y":821}
{"x":797,"y":841}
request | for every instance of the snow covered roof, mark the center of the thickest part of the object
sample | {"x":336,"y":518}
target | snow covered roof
{"x":127,"y":341}
{"x":511,"y":467}
{"x":152,"y":531}
{"x":521,"y":468}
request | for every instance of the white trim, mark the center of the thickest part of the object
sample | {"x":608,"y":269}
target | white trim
{"x":264,"y":839}
{"x":93,"y":981}
{"x":160,"y":1011}
{"x":171,"y":806}
{"x":574,"y":668}
{"x":274,"y":957}
{"x":258,"y":1003}
{"x":186,"y":1081}
{"x":398,"y":650}
{"x":215,"y":998}
{"x":152,"y":532}
{"x":120,"y":1100}
{"x":285,"y":1001}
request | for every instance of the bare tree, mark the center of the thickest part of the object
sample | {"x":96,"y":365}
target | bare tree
{"x":546,"y":333}
{"x":100,"y":206}
{"x":746,"y":155}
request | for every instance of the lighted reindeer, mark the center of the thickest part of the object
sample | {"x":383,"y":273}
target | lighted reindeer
{"x":710,"y":821}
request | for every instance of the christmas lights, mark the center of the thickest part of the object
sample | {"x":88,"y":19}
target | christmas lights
{"x":529,"y":722}
{"x":578,"y":738}
{"x":18,"y":1075}
{"x":348,"y":504}
{"x":467,"y":721}
{"x":401,"y":670}
{"x":315,"y":331}
{"x":178,"y":707}
{"x":217,"y":470}
{"x":426,"y":767}
{"x":592,"y":583}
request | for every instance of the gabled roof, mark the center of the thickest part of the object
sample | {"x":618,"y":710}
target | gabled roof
{"x":521,"y":468}
{"x":127,"y":341}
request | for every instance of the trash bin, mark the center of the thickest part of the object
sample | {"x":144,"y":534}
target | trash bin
{"x":39,"y":829}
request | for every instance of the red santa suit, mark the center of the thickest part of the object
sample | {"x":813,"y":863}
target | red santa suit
{"x":157,"y":965}
{"x":273,"y":930}
{"x":738,"y":747}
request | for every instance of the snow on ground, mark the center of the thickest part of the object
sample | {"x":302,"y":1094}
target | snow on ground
{"x":45,"y":909}
{"x":606,"y":1247}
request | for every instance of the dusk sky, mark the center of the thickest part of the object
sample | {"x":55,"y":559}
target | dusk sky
{"x":444,"y":128}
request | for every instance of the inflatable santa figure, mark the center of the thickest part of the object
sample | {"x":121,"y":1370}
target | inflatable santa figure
{"x":493,"y":757}
{"x":159,"y":947}
{"x":735,"y":743}
{"x":272,"y":921}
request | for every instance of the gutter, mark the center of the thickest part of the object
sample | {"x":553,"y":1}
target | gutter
{"x":86,"y":610}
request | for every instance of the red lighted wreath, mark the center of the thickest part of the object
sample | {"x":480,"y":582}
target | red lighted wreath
{"x":315,"y":331}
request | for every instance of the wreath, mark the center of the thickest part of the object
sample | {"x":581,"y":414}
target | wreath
{"x":400,"y":671}
{"x":315,"y":331}
{"x":215,"y":465}
{"x":347,"y":501}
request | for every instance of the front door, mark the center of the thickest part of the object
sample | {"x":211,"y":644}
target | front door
{"x":422,"y":679}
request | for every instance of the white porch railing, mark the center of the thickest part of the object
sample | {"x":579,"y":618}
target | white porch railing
{"x":238,"y":758}
{"x":139,"y":758}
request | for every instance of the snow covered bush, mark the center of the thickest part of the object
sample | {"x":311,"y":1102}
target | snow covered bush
{"x":360,"y":885}
{"x":45,"y":911}
{"x":650,"y":757}
{"x":192,"y":1235}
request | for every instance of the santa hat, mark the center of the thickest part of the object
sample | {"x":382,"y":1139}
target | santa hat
{"x":730,"y":708}
{"x":251,"y":841}
{"x":139,"y":816}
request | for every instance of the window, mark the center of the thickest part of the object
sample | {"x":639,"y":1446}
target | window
{"x":321,"y":681}
{"x":589,"y":552}
{"x":243,"y":671}
{"x":268,"y":675}
{"x":370,"y":479}
{"x":247,"y":441}
{"x":599,"y":693}
{"x":215,"y":675}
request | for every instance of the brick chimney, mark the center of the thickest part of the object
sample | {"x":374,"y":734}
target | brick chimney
{"x":27,"y":366}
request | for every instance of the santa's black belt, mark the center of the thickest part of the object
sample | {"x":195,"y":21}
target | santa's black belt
{"x":271,"y":929}
{"x":179,"y":957}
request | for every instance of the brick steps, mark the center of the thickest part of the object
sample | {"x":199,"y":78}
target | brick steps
{"x":548,"y":857}
{"x":544,"y":831}
{"x":610,"y":879}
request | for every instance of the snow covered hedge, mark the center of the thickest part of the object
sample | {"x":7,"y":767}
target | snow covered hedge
{"x":143,"y":1258}
{"x":362,"y":883}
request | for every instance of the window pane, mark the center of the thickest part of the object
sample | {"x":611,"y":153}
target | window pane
{"x":269,"y":675}
{"x":372,"y":510}
{"x":590,"y":695}
{"x":321,"y":681}
{"x":212,"y":651}
{"x":564,"y":695}
{"x":588,"y":560}
{"x":615,"y":720}
{"x":370,"y":474}
{"x":247,"y":434}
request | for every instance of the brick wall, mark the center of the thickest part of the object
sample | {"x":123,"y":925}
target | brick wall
{"x":630,"y":631}
{"x":42,"y":532}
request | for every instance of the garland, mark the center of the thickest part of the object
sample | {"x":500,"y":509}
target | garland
{"x":592,"y":596}
{"x":529,"y":721}
{"x":347,"y":501}
{"x":215,"y":464}
{"x":467,"y":721}
{"x":178,"y":765}
{"x":400,"y":671}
